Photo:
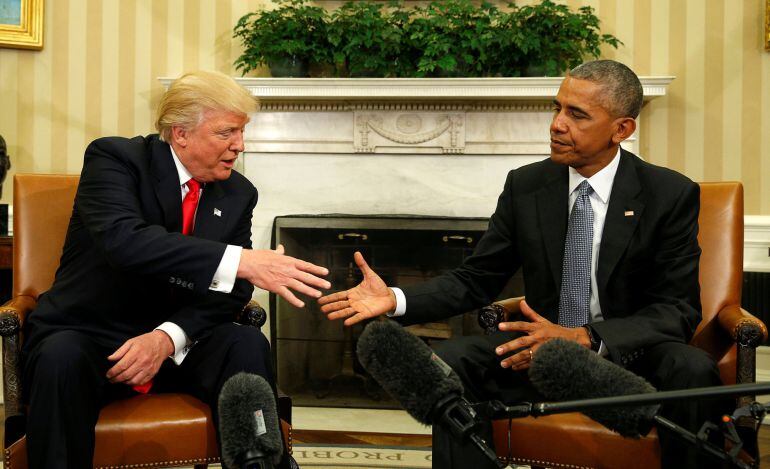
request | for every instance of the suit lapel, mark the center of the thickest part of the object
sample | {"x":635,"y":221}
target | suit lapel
{"x":212,"y":213}
{"x":166,"y":185}
{"x":552,"y":214}
{"x":623,"y":215}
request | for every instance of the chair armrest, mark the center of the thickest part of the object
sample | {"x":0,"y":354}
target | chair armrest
{"x":253,"y":315}
{"x":12,"y":314}
{"x":499,"y":311}
{"x":746,"y":330}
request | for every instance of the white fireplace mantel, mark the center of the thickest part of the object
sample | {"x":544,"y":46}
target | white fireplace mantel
{"x":454,"y":89}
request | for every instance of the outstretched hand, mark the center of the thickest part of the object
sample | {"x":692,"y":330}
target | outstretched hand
{"x":278,"y":273}
{"x":368,"y":299}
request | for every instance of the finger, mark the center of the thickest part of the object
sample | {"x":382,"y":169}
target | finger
{"x":306,"y":266}
{"x":310,"y":279}
{"x":519,"y":361}
{"x":287,"y":295}
{"x":355,"y":319}
{"x":117,"y":373}
{"x":118,"y":354}
{"x":343,"y":313}
{"x":279,"y":250}
{"x":339,"y":296}
{"x":530,"y":313}
{"x":362,"y":265}
{"x":300,"y":287}
{"x":336,"y":306}
{"x":520,"y":326}
{"x":515,"y":345}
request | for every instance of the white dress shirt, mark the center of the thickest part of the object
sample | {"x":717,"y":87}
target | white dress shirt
{"x":601,"y":183}
{"x":223,"y":280}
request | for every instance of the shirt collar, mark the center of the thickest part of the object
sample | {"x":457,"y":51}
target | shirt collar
{"x":184,"y":175}
{"x":600,"y":182}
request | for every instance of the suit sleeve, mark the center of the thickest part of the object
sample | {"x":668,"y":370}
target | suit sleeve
{"x":668,"y":292}
{"x":212,"y":308}
{"x":480,"y":278}
{"x":108,"y":202}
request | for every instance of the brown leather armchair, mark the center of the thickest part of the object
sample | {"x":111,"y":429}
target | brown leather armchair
{"x":729,"y":333}
{"x":156,"y":430}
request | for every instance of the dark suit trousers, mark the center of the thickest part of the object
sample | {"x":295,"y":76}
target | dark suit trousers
{"x":667,"y":366}
{"x":65,"y":385}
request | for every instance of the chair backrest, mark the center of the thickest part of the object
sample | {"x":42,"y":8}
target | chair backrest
{"x":721,"y":266}
{"x":42,"y":206}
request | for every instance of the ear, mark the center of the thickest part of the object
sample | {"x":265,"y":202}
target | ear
{"x":179,"y":135}
{"x":624,"y":128}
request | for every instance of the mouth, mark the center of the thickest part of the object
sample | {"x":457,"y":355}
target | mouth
{"x":558,"y":145}
{"x":228,"y":163}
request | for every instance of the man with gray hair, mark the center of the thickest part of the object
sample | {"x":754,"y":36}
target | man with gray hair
{"x":609,"y":252}
{"x":157,"y":262}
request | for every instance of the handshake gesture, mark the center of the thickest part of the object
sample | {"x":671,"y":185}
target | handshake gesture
{"x":368,"y":299}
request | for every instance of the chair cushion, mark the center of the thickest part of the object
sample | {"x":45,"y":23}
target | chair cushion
{"x":572,"y":440}
{"x":163,"y":428}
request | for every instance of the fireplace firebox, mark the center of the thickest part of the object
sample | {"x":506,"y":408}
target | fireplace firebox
{"x":315,"y":358}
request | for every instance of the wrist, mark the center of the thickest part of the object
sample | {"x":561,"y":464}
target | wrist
{"x":593,"y":341}
{"x":166,"y":343}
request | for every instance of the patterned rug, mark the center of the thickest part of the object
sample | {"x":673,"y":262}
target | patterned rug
{"x":361,"y":457}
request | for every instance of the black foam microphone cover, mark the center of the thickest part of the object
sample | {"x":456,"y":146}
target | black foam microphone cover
{"x":248,"y":423}
{"x":407,"y":369}
{"x":563,"y":370}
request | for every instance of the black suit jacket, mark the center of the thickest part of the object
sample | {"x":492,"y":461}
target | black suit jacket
{"x":647,"y":272}
{"x":126,"y":267}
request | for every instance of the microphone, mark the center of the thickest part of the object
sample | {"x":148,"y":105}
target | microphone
{"x":248,"y":423}
{"x":563,"y":370}
{"x":426,"y":387}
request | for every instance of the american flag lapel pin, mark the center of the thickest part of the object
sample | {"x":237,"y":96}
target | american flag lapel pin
{"x":218,"y":212}
{"x":628,"y":213}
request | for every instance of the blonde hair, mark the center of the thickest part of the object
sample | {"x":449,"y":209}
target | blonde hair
{"x":192,"y":94}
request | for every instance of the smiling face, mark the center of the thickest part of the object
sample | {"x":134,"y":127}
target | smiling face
{"x":584,"y":134}
{"x":209,"y":150}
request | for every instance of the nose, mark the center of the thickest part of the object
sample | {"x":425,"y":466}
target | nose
{"x":237,"y":145}
{"x":558,"y":123}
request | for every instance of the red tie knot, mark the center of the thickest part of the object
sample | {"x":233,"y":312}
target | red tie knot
{"x":193,"y":187}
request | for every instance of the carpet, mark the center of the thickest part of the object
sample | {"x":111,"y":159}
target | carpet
{"x":361,"y":457}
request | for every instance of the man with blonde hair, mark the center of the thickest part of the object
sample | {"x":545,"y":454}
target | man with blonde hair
{"x":156,"y":263}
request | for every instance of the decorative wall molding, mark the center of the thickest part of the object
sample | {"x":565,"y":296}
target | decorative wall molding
{"x":756,"y":243}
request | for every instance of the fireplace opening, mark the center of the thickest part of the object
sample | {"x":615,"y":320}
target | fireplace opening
{"x":314,"y":357}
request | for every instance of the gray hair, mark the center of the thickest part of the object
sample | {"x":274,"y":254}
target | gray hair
{"x":623,"y":90}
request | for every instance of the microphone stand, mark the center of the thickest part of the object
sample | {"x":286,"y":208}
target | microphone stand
{"x":496,"y":409}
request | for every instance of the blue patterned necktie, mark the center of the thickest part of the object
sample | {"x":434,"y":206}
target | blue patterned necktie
{"x":575,"y":295}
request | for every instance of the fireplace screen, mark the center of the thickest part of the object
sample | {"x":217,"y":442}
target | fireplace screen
{"x":315,"y":358}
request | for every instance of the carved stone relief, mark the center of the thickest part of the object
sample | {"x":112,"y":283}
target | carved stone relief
{"x":398,"y":131}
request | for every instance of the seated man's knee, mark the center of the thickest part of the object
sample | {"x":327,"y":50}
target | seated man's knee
{"x":63,"y":354}
{"x":249,"y":340}
{"x":691,"y":367}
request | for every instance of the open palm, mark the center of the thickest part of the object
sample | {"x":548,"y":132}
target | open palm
{"x":368,"y":299}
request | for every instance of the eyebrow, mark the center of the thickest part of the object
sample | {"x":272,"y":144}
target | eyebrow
{"x":571,"y":108}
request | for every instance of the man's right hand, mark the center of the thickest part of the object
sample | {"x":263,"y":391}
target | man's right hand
{"x":275,"y":272}
{"x":368,"y":299}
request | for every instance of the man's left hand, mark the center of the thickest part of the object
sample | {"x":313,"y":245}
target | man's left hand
{"x":536,"y":331}
{"x":139,"y":359}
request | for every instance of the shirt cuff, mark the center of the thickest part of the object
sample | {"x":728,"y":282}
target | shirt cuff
{"x":603,"y":352}
{"x":224,"y":277}
{"x":179,"y":338}
{"x":400,"y":303}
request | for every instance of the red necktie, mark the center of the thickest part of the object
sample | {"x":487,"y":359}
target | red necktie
{"x":189,"y":204}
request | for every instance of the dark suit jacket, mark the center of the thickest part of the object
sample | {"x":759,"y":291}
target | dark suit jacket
{"x":126,"y":267}
{"x":647,"y":272}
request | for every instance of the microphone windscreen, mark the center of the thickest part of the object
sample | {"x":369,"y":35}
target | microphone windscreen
{"x":407,"y":369}
{"x":248,"y":420}
{"x":563,"y":370}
